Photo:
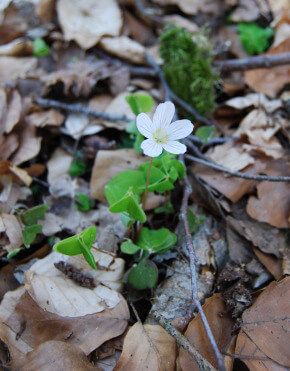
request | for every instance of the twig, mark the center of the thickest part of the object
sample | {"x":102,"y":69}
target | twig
{"x":139,"y":6}
{"x":260,"y":61}
{"x":182,"y":341}
{"x":238,"y":173}
{"x":169,"y":94}
{"x":211,"y":142}
{"x":78,"y":108}
{"x":192,"y":263}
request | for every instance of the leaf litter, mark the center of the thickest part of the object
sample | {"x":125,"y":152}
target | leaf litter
{"x":56,"y":311}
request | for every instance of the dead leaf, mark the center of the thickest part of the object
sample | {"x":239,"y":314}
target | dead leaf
{"x":86,"y":22}
{"x":124,"y":47}
{"x":51,"y":356}
{"x":221,"y":324}
{"x":13,"y":231}
{"x":147,"y":347}
{"x":12,"y":68}
{"x":107,"y":165}
{"x":18,"y":47}
{"x":230,"y":156}
{"x":44,"y":10}
{"x":273,"y":264}
{"x":8,"y":145}
{"x":40,"y":119}
{"x":192,"y":7}
{"x":58,"y":165}
{"x":183,"y":22}
{"x":29,"y":145}
{"x":256,"y":100}
{"x":270,"y":80}
{"x":11,"y":106}
{"x":269,"y":194}
{"x":264,"y":329}
{"x":247,"y":11}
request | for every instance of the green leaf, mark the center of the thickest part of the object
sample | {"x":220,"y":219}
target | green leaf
{"x":128,"y":247}
{"x":31,"y":216}
{"x":140,"y":103}
{"x":30,"y":232}
{"x":161,"y":187}
{"x":137,"y":144}
{"x":126,"y":219}
{"x":168,"y":209}
{"x":194,"y":222}
{"x":144,"y":275}
{"x":254,"y":38}
{"x":40,"y":48}
{"x":205,"y":133}
{"x":87,"y":253}
{"x":131,"y":128}
{"x":84,"y":203}
{"x":77,"y":168}
{"x":117,"y":187}
{"x":156,"y":241}
{"x":179,"y":167}
{"x":72,"y":246}
{"x":130,"y":205}
{"x":14,"y":252}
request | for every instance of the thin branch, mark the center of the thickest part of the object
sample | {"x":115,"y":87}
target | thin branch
{"x":238,"y":173}
{"x":260,"y":61}
{"x":210,"y":142}
{"x":78,"y":108}
{"x":182,"y":341}
{"x":169,"y":94}
{"x":192,"y":264}
{"x":147,"y":14}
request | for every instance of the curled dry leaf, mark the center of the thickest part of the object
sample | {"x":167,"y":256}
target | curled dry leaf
{"x":107,"y":165}
{"x":18,"y":47}
{"x":247,"y":11}
{"x":40,"y":119}
{"x":86,"y":22}
{"x":10,"y":109}
{"x":256,"y":100}
{"x":11,"y":226}
{"x":192,"y":7}
{"x":51,"y":356}
{"x":147,"y":347}
{"x":221,"y":324}
{"x":263,"y":341}
{"x":124,"y":47}
{"x":58,"y":165}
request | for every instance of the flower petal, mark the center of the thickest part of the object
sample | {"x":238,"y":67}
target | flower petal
{"x":151,"y":148}
{"x":179,"y":129}
{"x":145,"y":125}
{"x":172,"y":146}
{"x":163,"y":115}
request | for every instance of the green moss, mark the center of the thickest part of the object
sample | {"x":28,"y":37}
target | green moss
{"x":187,"y":67}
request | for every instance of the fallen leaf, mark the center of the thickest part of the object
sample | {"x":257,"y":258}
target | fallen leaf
{"x":11,"y":109}
{"x":107,"y":165}
{"x":12,"y":68}
{"x":58,"y":165}
{"x":50,"y":117}
{"x":13,"y":231}
{"x":221,"y":324}
{"x":86,"y":22}
{"x":183,"y":22}
{"x":192,"y":7}
{"x":8,"y":145}
{"x":264,"y":329}
{"x":44,"y":10}
{"x":17,"y":47}
{"x":270,"y":80}
{"x":147,"y":347}
{"x":51,"y":356}
{"x":269,"y":194}
{"x":124,"y":47}
{"x":256,"y":100}
{"x":273,"y":264}
{"x":247,"y":11}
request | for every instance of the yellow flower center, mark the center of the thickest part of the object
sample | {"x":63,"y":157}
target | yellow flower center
{"x":160,"y":137}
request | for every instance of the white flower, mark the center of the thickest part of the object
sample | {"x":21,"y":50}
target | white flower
{"x":161,"y":133}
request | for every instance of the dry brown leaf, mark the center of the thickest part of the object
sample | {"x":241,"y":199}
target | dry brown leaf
{"x":29,"y":145}
{"x":273,"y":264}
{"x":272,"y":202}
{"x":78,"y":125}
{"x":221,"y":325}
{"x":12,"y":68}
{"x":124,"y":47}
{"x":147,"y":347}
{"x":271,"y":147}
{"x":86,"y":22}
{"x":58,"y":165}
{"x":50,"y":117}
{"x":109,"y":273}
{"x":270,"y":80}
{"x":183,"y":22}
{"x":86,"y":332}
{"x":232,"y":187}
{"x":10,"y":109}
{"x":230,"y":156}
{"x":8,"y":145}
{"x":265,"y":328}
{"x":52,"y":356}
{"x":247,"y":11}
{"x":107,"y":165}
{"x":18,"y":47}
{"x":256,"y":100}
{"x":13,"y":231}
{"x":192,"y":7}
{"x":44,"y":10}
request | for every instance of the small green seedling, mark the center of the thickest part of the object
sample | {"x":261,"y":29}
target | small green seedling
{"x":77,"y":168}
{"x":31,"y":216}
{"x":144,"y":275}
{"x":83,"y":202}
{"x":79,"y":244}
{"x":30,"y":232}
{"x":40,"y":48}
{"x":254,"y":38}
{"x":205,"y":133}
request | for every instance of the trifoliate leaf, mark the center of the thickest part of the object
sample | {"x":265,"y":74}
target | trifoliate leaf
{"x":128,"y":247}
{"x":31,"y":216}
{"x":77,"y":168}
{"x":89,"y":257}
{"x":130,"y":205}
{"x":140,"y":103}
{"x":205,"y":133}
{"x":84,"y":202}
{"x":156,"y":241}
{"x":40,"y":48}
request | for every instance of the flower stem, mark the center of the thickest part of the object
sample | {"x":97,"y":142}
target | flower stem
{"x":147,"y":183}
